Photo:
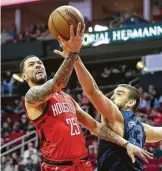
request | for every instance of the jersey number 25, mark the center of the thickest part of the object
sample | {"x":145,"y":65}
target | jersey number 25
{"x":74,"y":126}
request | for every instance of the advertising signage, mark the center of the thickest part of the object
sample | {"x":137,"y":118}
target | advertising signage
{"x":121,"y":35}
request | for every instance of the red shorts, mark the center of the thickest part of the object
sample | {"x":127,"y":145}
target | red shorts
{"x":81,"y":165}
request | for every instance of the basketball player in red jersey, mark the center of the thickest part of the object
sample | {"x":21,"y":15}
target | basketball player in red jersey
{"x":56,"y":115}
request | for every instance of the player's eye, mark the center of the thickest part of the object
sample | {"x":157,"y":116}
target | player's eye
{"x":30,"y":65}
{"x":40,"y":63}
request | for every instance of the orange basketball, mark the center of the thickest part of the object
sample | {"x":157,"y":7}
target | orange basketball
{"x":60,"y":20}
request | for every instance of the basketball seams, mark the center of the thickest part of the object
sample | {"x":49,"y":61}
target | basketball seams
{"x":55,"y":26}
{"x":63,"y":17}
{"x":76,"y":16}
{"x":79,"y":18}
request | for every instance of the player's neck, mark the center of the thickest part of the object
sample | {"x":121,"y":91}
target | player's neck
{"x":126,"y":109}
{"x":31,"y":84}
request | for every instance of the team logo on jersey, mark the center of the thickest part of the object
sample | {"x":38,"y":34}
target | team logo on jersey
{"x":131,"y":124}
{"x":62,"y":107}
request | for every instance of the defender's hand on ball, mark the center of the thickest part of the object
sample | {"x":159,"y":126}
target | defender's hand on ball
{"x":74,"y":44}
{"x":133,"y":151}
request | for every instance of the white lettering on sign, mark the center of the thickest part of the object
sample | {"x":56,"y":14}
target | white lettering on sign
{"x":106,"y":37}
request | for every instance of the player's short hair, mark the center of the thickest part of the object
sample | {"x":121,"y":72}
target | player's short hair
{"x":22,"y":63}
{"x":133,"y":94}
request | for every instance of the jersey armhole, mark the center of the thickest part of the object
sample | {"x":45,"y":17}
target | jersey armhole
{"x":43,"y":113}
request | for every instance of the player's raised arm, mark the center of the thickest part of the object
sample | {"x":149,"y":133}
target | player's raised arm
{"x":90,"y":88}
{"x":40,"y":94}
{"x":153,"y":134}
{"x":107,"y":134}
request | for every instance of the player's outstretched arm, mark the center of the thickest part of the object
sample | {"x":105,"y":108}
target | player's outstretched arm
{"x":90,"y":88}
{"x":153,"y":134}
{"x":107,"y":134}
{"x":40,"y":94}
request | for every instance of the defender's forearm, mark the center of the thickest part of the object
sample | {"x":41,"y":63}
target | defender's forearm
{"x":85,"y":78}
{"x":155,"y":135}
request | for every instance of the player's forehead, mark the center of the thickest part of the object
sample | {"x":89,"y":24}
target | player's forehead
{"x":32,"y":60}
{"x":121,"y":90}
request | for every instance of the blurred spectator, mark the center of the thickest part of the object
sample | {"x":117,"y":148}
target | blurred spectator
{"x":20,"y":107}
{"x":156,"y":9}
{"x":3,"y":163}
{"x":7,"y":84}
{"x":11,"y":165}
{"x":6,"y":128}
{"x":30,"y":166}
{"x":106,"y":73}
{"x":160,"y":100}
{"x":30,"y":126}
{"x":24,"y":123}
{"x":16,"y":133}
{"x":15,"y":157}
{"x":158,"y":151}
{"x":78,"y":99}
{"x":10,"y":122}
{"x":144,"y":103}
{"x":30,"y":153}
{"x":5,"y":36}
{"x":68,"y":91}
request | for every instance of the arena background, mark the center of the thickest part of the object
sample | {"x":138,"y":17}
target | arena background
{"x":122,"y":44}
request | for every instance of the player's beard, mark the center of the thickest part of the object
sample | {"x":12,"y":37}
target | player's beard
{"x":120,"y":105}
{"x":39,"y":81}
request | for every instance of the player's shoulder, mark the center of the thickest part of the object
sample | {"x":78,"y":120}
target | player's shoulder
{"x":64,"y":94}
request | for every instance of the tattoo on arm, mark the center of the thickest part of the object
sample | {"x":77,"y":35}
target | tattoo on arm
{"x":62,"y":76}
{"x":40,"y":94}
{"x":108,"y":135}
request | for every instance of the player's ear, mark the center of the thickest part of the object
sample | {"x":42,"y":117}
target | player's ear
{"x":24,"y":77}
{"x":132,"y":102}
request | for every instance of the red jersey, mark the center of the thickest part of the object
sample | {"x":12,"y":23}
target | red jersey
{"x":59,"y":131}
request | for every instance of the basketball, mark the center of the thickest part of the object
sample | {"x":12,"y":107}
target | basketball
{"x":60,"y":20}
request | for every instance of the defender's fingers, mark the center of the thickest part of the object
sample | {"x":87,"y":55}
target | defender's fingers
{"x":62,"y":41}
{"x":58,"y":52}
{"x":147,"y":155}
{"x":150,"y":154}
{"x":78,"y":29}
{"x":132,"y":158}
{"x":82,"y":32}
{"x":71,"y":32}
{"x":141,"y":156}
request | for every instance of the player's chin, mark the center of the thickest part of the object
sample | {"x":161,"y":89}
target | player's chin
{"x":40,"y":80}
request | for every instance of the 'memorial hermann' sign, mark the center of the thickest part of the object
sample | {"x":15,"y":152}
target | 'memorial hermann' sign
{"x":138,"y":33}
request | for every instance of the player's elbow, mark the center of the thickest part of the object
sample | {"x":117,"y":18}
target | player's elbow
{"x":97,"y":128}
{"x":94,"y":128}
{"x":91,"y":93}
